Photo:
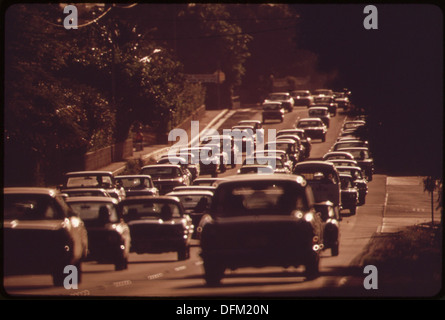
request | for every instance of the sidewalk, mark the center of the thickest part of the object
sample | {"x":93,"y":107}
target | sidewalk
{"x":209,"y":119}
{"x":406,"y":204}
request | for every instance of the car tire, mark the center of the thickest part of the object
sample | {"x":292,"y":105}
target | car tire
{"x":353,"y":210}
{"x":184,"y":253}
{"x":335,"y":249}
{"x":121,"y":264}
{"x":312,"y":266}
{"x":213,"y":273}
{"x":323,"y":139}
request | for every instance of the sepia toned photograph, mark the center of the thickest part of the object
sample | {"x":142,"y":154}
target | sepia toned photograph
{"x":220,"y":152}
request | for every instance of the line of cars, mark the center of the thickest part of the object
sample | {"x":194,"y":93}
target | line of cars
{"x":243,"y":220}
{"x":94,"y":216}
{"x":270,"y":219}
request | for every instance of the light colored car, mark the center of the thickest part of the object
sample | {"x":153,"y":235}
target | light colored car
{"x":320,"y":112}
{"x":284,"y":97}
{"x":93,"y":179}
{"x":137,"y":185}
{"x":41,"y":234}
{"x":109,"y":237}
{"x":302,"y":97}
{"x":313,"y":127}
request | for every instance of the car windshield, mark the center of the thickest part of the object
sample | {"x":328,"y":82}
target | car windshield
{"x":29,"y":207}
{"x":95,"y":211}
{"x":134,"y":183}
{"x":258,"y":198}
{"x":89,"y":181}
{"x":271,"y":107}
{"x":278,"y":97}
{"x":307,"y":124}
{"x":318,"y":112}
{"x":86,"y":193}
{"x":317,"y":175}
{"x":159,"y":172}
{"x":191,"y":201}
{"x":255,"y":169}
{"x":283,"y":146}
{"x":271,"y":161}
{"x":350,"y":144}
{"x":149,"y":210}
{"x":359,"y":154}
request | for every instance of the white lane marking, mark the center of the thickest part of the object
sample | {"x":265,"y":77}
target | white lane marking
{"x":155,"y":276}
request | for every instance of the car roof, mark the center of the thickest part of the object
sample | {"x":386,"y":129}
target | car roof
{"x":92,"y":199}
{"x":318,"y":107}
{"x":256,"y":177}
{"x":281,"y":141}
{"x":134,"y":176}
{"x":90,"y":172}
{"x":190,"y":193}
{"x":315,"y":163}
{"x":349,"y":168}
{"x":137,"y":199}
{"x":310,"y":119}
{"x":31,"y":190}
{"x":162,"y":165}
{"x":245,"y":121}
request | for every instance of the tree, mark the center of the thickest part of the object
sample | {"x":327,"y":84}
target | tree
{"x":207,"y":40}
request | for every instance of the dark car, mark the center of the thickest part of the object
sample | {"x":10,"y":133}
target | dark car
{"x":211,"y":160}
{"x":227,"y":146}
{"x":196,"y":203}
{"x":342,"y":100}
{"x":257,"y":127}
{"x":350,"y":143}
{"x":324,"y":180}
{"x":109,"y":237}
{"x":166,"y":176}
{"x":158,"y":225}
{"x":313,"y":127}
{"x":364,"y":160}
{"x":272,"y":111}
{"x":258,"y":221}
{"x":244,"y":137}
{"x":137,"y":185}
{"x":359,"y":181}
{"x":326,"y":101}
{"x":286,"y":145}
{"x":331,"y":226}
{"x":305,"y":140}
{"x":41,"y":234}
{"x":320,"y":112}
{"x":93,"y":179}
{"x":298,"y":145}
{"x":349,"y":193}
{"x":302,"y":97}
{"x":337,"y":155}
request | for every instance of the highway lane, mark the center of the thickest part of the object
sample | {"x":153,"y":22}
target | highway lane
{"x":161,"y":275}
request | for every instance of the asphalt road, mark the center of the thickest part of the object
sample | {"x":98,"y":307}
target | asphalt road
{"x":161,"y":275}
